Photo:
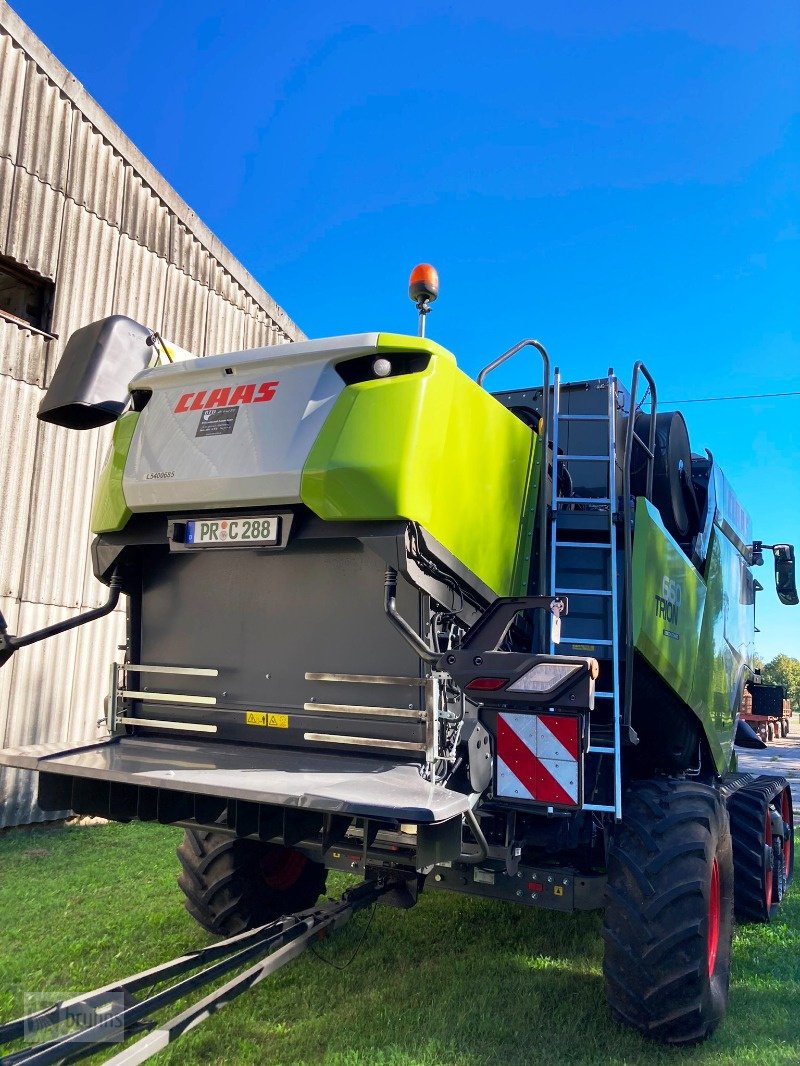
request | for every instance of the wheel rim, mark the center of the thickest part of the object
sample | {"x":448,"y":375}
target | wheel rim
{"x":787,"y":832}
{"x":768,"y":859}
{"x":713,"y":918}
{"x":281,"y":868}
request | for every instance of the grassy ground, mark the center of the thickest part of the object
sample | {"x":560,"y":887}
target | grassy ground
{"x":454,"y":981}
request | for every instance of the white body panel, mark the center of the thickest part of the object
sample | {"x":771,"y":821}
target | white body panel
{"x":251,"y":451}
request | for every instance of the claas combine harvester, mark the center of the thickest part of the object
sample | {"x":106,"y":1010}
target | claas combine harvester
{"x":382,"y":620}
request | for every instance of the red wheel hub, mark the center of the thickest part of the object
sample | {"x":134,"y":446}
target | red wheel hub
{"x":281,"y":867}
{"x":713,"y":918}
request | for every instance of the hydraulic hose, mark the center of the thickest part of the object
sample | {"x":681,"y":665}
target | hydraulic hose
{"x":401,"y":625}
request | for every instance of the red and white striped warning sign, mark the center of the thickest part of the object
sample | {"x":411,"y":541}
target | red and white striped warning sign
{"x":537,"y":758}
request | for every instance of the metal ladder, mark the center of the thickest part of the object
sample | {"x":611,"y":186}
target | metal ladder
{"x":608,"y":505}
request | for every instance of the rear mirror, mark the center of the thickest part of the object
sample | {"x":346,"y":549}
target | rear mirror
{"x":746,"y":736}
{"x":785,"y":583}
{"x":90,"y":385}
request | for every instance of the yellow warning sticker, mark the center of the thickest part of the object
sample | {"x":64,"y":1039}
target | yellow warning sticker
{"x":558,"y":890}
{"x":276,"y":721}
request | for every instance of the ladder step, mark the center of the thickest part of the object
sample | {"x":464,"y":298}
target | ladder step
{"x":583,"y":544}
{"x":601,"y":751}
{"x":604,"y":695}
{"x":584,"y":499}
{"x":598,"y":807}
{"x":588,"y":640}
{"x":582,"y":418}
{"x":585,"y":458}
{"x":585,"y":592}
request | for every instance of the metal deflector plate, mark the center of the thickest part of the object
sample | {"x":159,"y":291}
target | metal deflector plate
{"x":361,"y":787}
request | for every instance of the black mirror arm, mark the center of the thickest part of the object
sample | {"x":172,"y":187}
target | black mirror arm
{"x":9,"y":644}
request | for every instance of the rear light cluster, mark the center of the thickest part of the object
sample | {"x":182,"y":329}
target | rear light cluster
{"x":544,"y":677}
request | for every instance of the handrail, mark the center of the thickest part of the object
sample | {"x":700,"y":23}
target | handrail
{"x":627,"y":512}
{"x":541,"y":588}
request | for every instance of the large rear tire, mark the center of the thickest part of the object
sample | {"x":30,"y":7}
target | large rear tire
{"x":669,"y":911}
{"x":762,"y":827}
{"x":232,"y":885}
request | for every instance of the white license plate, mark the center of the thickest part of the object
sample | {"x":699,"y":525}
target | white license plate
{"x":219,"y":532}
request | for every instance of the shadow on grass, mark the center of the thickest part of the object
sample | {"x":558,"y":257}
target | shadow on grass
{"x":454,"y":981}
{"x":462,"y":981}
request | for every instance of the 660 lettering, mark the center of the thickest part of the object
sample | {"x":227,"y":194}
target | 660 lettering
{"x":226,"y":397}
{"x":669,"y":602}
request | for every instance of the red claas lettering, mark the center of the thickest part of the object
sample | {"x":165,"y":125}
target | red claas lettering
{"x":242,"y":394}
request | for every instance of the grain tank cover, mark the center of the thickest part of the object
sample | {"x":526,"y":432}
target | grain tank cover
{"x":234,"y":430}
{"x":90,"y":385}
{"x":364,"y":428}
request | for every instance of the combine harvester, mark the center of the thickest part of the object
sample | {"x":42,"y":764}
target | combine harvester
{"x":383,"y":621}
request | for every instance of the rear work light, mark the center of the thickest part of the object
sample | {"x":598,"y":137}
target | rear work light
{"x":544,"y":677}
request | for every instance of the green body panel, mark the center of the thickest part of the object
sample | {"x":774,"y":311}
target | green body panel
{"x":726,"y":639}
{"x":668,"y":600}
{"x":434,"y":448}
{"x":110,"y":512}
{"x":521,"y":576}
{"x":695,"y":632}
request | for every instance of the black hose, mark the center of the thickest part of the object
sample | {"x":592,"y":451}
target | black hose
{"x":401,"y":625}
{"x":114,"y":587}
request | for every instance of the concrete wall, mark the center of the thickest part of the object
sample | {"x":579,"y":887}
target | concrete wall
{"x":81,"y":207}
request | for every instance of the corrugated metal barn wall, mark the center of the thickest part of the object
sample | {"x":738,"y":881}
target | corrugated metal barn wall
{"x":81,"y":207}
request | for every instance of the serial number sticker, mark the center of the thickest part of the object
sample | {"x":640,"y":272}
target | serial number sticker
{"x":256,"y":718}
{"x":217,"y":422}
{"x":278,"y":721}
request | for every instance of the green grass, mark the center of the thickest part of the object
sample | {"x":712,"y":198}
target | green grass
{"x":455,"y":981}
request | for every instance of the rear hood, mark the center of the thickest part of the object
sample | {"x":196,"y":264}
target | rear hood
{"x":234,"y":430}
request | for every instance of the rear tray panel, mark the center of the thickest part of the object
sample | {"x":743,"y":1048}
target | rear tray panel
{"x":348,"y":785}
{"x":267,"y":620}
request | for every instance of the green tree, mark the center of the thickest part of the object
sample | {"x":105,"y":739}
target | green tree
{"x":784,"y":670}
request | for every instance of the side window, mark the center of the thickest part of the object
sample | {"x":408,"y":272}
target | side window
{"x":25,"y":298}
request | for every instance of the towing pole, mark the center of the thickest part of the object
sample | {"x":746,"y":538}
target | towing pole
{"x":111,"y":1014}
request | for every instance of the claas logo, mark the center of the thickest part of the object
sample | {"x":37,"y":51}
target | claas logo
{"x":230,"y":397}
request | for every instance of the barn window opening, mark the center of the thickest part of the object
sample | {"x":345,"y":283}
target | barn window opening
{"x":25,"y":298}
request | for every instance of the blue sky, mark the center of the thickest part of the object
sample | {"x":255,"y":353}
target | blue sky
{"x":618,"y":179}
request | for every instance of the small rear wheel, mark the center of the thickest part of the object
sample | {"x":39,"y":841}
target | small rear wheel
{"x":669,"y":911}
{"x":762,"y":827}
{"x":232,"y":884}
